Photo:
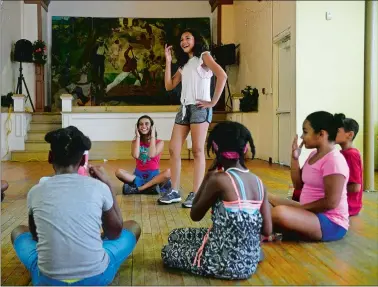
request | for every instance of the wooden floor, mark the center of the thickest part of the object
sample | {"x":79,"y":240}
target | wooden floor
{"x":351,"y":261}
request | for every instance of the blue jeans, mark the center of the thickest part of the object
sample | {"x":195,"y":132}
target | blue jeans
{"x":118,"y":251}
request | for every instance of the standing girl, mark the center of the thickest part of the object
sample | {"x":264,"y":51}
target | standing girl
{"x":146,"y":149}
{"x":230,"y":248}
{"x":196,"y":67}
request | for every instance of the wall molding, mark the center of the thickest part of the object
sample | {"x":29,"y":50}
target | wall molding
{"x":217,"y":3}
{"x":43,"y":3}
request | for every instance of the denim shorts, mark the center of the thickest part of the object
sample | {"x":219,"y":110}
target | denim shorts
{"x":191,"y":114}
{"x":118,"y":251}
{"x":144,"y":176}
{"x":330,"y":230}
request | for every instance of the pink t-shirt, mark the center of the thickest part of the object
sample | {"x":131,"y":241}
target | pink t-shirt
{"x":144,"y":162}
{"x":313,"y":188}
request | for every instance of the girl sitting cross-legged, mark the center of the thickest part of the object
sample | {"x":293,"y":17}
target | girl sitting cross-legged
{"x":322,"y":211}
{"x":146,"y":149}
{"x":230,"y":248}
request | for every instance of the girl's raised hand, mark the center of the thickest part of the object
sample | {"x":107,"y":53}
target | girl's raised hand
{"x":137,"y":134}
{"x":295,"y":149}
{"x":99,"y":173}
{"x":168,"y":53}
{"x":153,"y":131}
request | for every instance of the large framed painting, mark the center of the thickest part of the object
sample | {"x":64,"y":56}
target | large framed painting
{"x":116,"y":61}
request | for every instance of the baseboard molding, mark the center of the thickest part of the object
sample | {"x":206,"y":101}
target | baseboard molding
{"x":126,"y":109}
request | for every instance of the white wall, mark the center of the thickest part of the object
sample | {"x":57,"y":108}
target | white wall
{"x":10,"y":30}
{"x":14,"y":127}
{"x":214,"y":26}
{"x":330,"y":60}
{"x":29,"y":32}
{"x":116,"y":126}
{"x":228,"y":24}
{"x":256,"y":24}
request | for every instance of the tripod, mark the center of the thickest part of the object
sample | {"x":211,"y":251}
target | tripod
{"x":21,"y":80}
{"x":228,"y":98}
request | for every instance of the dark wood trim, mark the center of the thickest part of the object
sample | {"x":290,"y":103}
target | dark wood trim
{"x":217,"y":3}
{"x":43,"y":3}
{"x":39,"y":88}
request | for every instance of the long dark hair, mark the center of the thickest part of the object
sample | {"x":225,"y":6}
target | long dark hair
{"x":230,"y":137}
{"x":151,"y":121}
{"x":198,"y":49}
{"x":326,"y":121}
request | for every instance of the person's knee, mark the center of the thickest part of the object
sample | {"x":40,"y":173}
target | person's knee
{"x":18,"y":231}
{"x":174,"y":150}
{"x":167,"y":174}
{"x":198,"y":151}
{"x":134,"y":227}
{"x":279,"y":215}
{"x":4,"y":185}
{"x":118,"y":173}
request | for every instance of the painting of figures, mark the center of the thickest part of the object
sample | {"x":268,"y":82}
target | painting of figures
{"x":116,"y":61}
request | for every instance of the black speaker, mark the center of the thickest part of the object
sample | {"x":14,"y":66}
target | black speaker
{"x":23,"y":51}
{"x":225,"y":55}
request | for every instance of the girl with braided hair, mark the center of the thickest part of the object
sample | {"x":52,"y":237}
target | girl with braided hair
{"x":230,"y":248}
{"x":62,"y":244}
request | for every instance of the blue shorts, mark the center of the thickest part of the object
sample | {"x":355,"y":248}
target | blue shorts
{"x":330,"y":230}
{"x":144,"y":176}
{"x":118,"y":251}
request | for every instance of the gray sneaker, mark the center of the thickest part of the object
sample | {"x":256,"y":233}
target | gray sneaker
{"x":170,"y":197}
{"x":189,"y":200}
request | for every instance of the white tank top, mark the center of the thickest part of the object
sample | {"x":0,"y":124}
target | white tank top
{"x":195,"y":80}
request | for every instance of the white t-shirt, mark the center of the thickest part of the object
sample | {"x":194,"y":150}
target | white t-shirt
{"x":196,"y":80}
{"x":67,"y":212}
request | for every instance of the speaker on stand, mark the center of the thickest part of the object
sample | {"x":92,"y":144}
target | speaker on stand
{"x":23,"y":53}
{"x":225,"y":55}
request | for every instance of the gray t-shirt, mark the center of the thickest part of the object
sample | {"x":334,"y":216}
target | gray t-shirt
{"x":67,"y":211}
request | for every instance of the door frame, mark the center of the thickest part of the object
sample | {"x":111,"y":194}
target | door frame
{"x":277,"y":40}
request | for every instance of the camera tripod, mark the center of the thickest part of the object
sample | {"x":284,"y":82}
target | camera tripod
{"x":21,"y":80}
{"x":227,"y":97}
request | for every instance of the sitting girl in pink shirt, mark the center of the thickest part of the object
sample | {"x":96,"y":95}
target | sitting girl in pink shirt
{"x":322,"y":212}
{"x":146,"y":149}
